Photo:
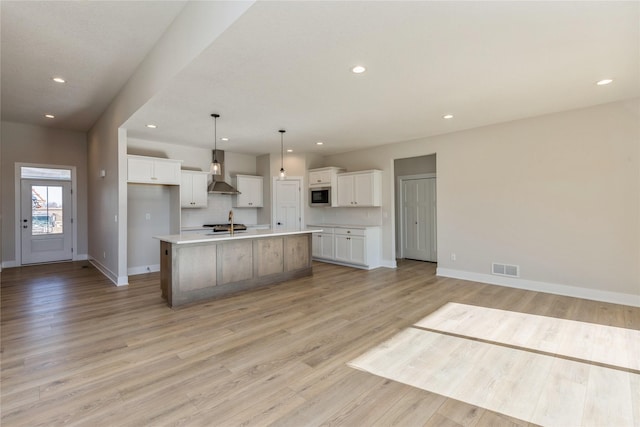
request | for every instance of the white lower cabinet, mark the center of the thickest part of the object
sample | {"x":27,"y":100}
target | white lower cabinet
{"x":322,"y":244}
{"x":348,"y":245}
{"x":350,"y":249}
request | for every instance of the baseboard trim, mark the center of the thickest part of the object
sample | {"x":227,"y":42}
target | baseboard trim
{"x":81,"y":257}
{"x":388,"y":264}
{"x":117,"y":280}
{"x":10,"y":264}
{"x":143,"y":269}
{"x":550,"y":288}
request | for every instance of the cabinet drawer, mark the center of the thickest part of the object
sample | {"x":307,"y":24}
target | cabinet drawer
{"x":351,"y":231}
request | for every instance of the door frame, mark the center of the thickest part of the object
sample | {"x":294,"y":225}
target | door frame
{"x":274,"y":211}
{"x":399,"y":183}
{"x":18,"y":206}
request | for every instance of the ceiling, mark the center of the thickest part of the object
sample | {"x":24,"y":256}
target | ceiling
{"x":95,"y":46}
{"x":287,"y":65}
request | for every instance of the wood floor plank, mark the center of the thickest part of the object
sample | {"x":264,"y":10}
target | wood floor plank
{"x":77,"y":350}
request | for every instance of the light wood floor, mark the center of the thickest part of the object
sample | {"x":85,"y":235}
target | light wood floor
{"x":78,"y":351}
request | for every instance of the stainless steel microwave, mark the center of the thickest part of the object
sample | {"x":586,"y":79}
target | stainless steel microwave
{"x":320,"y":196}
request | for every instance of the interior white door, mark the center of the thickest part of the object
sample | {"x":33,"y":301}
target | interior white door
{"x":287,"y":205}
{"x":419,"y":219}
{"x":46,"y":224}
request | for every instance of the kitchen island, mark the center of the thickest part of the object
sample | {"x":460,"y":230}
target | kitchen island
{"x":196,"y":267}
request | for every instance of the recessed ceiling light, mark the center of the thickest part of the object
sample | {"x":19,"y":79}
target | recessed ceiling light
{"x":50,"y":116}
{"x":224,"y":138}
{"x":448,"y":116}
{"x":152,"y":126}
{"x":289,"y":150}
{"x":58,"y":80}
{"x":319,"y":143}
{"x":604,"y":82}
{"x":358,"y":69}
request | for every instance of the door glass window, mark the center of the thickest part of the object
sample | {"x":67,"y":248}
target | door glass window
{"x":46,"y":209}
{"x":45,"y":173}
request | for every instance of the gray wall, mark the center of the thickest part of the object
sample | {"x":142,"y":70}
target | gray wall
{"x":558,"y":195}
{"x":22,"y":143}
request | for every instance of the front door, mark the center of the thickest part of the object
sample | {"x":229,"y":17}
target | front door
{"x":287,"y":205}
{"x":45,"y":221}
{"x":419,"y":219}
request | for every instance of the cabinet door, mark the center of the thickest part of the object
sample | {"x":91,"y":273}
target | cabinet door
{"x":343,"y":248}
{"x":363,"y":189}
{"x":166,"y":172}
{"x":193,"y":190}
{"x":358,"y":250}
{"x":316,"y":245}
{"x":319,"y":178}
{"x":199,"y":190}
{"x":345,"y":190}
{"x":186,"y":190}
{"x":315,"y":178}
{"x":327,"y":246}
{"x":139,"y":170}
{"x":250,"y":188}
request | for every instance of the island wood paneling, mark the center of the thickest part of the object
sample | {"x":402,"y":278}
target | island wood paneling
{"x":270,"y":255}
{"x":198,"y":271}
{"x":297,"y":252}
{"x":236,"y":261}
{"x":197,"y":267}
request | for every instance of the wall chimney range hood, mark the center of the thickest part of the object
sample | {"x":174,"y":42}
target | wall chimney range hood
{"x":218,"y":185}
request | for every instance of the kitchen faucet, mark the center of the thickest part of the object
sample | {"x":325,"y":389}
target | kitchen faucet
{"x":231,"y":222}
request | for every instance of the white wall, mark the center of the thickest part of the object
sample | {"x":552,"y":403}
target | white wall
{"x":148,"y":215}
{"x":22,"y":143}
{"x":196,"y":158}
{"x":197,"y":26}
{"x":558,"y":195}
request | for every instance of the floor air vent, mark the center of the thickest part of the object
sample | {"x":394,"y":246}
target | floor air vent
{"x":505,"y":270}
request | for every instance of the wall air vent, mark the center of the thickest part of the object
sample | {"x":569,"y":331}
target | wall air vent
{"x":505,"y":270}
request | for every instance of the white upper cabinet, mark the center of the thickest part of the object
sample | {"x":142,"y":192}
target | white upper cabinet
{"x":153,"y":170}
{"x":193,"y":189}
{"x":250,"y":188}
{"x":324,"y":177}
{"x":359,"y":189}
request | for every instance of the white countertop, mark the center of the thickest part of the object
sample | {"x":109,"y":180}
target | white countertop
{"x":358,"y":226}
{"x":202,"y":227}
{"x":218,"y":237}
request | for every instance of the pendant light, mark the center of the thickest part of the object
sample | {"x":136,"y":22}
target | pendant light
{"x":282,"y":172}
{"x":215,"y":166}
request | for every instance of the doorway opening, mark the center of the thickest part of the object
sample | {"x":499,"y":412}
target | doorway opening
{"x":44,"y":214}
{"x":416,"y":231}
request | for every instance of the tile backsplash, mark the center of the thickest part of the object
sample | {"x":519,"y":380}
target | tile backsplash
{"x":217,"y":212}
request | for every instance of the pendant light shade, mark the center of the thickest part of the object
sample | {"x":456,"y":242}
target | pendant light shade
{"x":215,"y":165}
{"x":283,"y":174}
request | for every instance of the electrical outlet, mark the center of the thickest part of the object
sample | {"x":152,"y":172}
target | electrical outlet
{"x":453,"y":256}
{"x":104,"y":254}
{"x":147,"y":216}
